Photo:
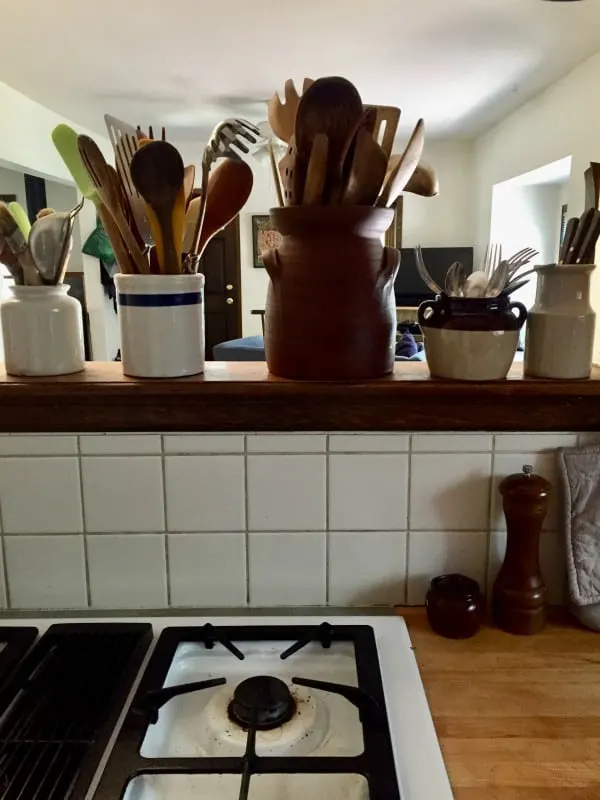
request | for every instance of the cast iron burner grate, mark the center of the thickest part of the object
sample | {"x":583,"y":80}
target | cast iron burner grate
{"x":65,"y":700}
{"x":375,"y":763}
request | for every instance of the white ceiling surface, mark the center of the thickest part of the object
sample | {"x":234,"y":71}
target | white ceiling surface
{"x":187,"y":64}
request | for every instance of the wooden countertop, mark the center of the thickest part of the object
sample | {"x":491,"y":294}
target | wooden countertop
{"x":518,"y":717}
{"x":244,"y":397}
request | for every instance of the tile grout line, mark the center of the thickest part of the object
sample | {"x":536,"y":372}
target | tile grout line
{"x":86,"y":564}
{"x":489,"y":517}
{"x":4,"y":564}
{"x":327,"y":526}
{"x":407,"y":526}
{"x":246,"y":520}
{"x":165,"y":525}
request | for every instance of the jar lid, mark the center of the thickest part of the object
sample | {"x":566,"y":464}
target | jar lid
{"x":456,"y":586}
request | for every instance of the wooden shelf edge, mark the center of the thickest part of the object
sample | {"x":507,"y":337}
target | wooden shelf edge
{"x":244,"y":397}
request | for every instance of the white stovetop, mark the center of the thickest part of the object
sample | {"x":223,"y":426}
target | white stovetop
{"x":419,"y":764}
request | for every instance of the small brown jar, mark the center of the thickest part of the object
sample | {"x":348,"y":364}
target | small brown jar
{"x":454,"y":606}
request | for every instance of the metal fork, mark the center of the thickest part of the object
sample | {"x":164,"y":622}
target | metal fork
{"x":228,"y":134}
{"x":493,"y":256}
{"x":424,"y":273}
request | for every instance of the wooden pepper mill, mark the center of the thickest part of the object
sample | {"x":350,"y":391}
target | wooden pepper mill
{"x":519,"y":596}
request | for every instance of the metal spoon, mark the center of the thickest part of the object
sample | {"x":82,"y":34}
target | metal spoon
{"x":422,"y":269}
{"x":455,"y":279}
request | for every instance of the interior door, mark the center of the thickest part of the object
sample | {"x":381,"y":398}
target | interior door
{"x":222,"y":298}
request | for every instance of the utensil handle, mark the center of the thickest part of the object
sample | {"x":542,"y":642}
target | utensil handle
{"x":275,"y":173}
{"x":428,"y":305}
{"x":522,"y":315}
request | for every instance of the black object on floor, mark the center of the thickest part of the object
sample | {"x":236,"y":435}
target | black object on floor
{"x":65,"y":700}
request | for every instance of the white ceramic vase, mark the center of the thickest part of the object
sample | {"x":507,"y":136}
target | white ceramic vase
{"x":560,"y":326}
{"x":161,"y":318}
{"x":42,"y":328}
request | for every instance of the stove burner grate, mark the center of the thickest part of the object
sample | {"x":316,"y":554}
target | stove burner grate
{"x":262,"y":702}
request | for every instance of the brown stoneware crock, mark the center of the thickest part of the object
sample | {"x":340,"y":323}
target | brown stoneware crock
{"x":331,"y":311}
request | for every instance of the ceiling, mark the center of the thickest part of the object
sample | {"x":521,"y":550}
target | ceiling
{"x":186,"y":64}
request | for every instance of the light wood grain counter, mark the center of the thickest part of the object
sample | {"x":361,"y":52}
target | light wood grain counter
{"x":518,"y":718}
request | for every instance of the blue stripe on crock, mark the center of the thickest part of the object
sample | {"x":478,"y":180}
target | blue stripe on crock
{"x":161,"y":300}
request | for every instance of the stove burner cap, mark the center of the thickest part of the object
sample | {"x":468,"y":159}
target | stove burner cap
{"x":262,"y":702}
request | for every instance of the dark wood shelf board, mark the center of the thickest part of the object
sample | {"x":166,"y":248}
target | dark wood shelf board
{"x":244,"y":397}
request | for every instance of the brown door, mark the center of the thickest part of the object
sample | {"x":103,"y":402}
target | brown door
{"x":222,"y":305}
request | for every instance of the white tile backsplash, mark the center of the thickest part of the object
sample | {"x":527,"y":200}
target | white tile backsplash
{"x":450,"y":491}
{"x":24,"y":444}
{"x":118,"y":444}
{"x":286,"y":443}
{"x":122,"y":494}
{"x":367,"y":568}
{"x":45,"y":571}
{"x":286,"y":569}
{"x":286,"y":493}
{"x":367,"y":491}
{"x":290,"y":519}
{"x":40,"y":495}
{"x":369,"y":443}
{"x":127,"y":571}
{"x":207,"y":569}
{"x":205,"y":493}
{"x":204,"y":443}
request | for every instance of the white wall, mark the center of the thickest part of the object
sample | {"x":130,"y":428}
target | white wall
{"x":527,"y":216}
{"x":13,"y":182}
{"x":562,"y":121}
{"x":446,"y":220}
{"x":254,"y":281}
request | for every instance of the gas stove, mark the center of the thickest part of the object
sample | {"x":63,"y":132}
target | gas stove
{"x":282,"y":707}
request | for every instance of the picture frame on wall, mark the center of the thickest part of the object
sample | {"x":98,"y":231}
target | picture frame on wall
{"x":264,"y":237}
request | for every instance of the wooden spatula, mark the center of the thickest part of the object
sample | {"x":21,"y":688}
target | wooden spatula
{"x":396,"y":180}
{"x":282,"y":116}
{"x":386,"y":125}
{"x":367,"y":171}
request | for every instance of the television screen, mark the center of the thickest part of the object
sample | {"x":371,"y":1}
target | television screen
{"x":410,"y":290}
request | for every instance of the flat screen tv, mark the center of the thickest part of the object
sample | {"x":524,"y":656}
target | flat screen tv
{"x":409,"y":287}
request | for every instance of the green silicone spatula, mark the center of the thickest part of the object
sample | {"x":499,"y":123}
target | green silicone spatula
{"x":65,"y":141}
{"x":21,"y":218}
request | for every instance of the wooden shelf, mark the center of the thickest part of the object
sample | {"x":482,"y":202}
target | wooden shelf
{"x":244,"y":397}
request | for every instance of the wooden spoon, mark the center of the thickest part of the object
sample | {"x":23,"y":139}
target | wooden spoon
{"x":189,"y":176}
{"x":331,"y":106}
{"x":398,"y":178}
{"x":108,"y":189}
{"x":423,"y":181}
{"x":229,"y":187}
{"x":367,"y":171}
{"x":316,"y":171}
{"x":158,"y":173}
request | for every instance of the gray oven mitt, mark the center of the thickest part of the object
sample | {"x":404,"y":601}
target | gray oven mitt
{"x":579,"y":469}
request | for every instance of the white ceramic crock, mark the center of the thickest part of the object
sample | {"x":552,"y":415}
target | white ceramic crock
{"x":161,"y":318}
{"x":561,"y":324}
{"x":42,"y":328}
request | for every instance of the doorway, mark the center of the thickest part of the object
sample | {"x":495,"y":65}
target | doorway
{"x":222,"y":290}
